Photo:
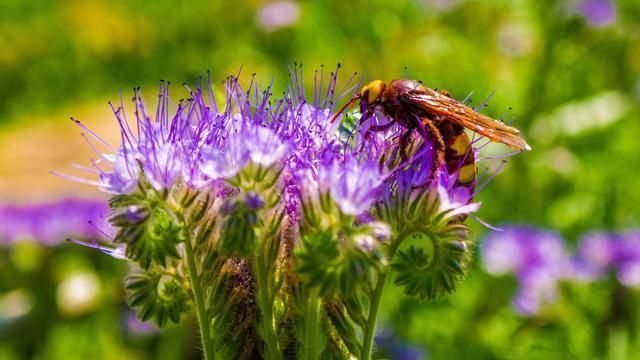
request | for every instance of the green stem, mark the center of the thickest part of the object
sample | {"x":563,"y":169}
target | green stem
{"x":372,"y":319}
{"x":198,"y":295}
{"x":312,"y":346}
{"x":375,"y":299}
{"x":265,"y":303}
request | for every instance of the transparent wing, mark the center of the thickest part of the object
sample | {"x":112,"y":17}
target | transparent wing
{"x":435,"y":103}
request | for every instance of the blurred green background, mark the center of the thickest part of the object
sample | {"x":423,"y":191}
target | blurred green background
{"x":571,"y":80}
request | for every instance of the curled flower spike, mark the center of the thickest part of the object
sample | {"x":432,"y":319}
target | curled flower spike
{"x":274,"y":217}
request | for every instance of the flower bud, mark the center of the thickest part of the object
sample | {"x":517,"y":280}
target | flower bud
{"x":381,"y":231}
{"x":365,"y":242}
{"x":136,"y":214}
{"x":253,"y":201}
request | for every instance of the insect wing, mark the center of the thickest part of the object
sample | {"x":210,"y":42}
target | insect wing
{"x":437,"y":104}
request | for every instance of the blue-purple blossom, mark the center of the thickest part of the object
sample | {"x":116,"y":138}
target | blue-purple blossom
{"x":539,"y":260}
{"x":163,"y":164}
{"x":537,"y":257}
{"x":261,"y":146}
{"x":53,"y":222}
{"x":124,"y":177}
{"x":352,"y":184}
{"x":264,"y":146}
{"x":226,"y":162}
{"x":598,"y":13}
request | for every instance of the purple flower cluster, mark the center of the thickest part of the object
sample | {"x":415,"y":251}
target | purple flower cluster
{"x":53,"y":222}
{"x":207,"y":147}
{"x":540,"y":260}
{"x":537,"y":257}
{"x":240,"y":179}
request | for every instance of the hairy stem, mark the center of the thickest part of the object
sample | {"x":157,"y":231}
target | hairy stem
{"x":265,"y":303}
{"x":198,"y":296}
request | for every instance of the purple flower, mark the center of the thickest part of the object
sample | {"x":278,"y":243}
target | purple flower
{"x":156,"y":146}
{"x":261,"y":146}
{"x":454,"y":200}
{"x":264,"y":146}
{"x":124,"y":177}
{"x":598,"y":13}
{"x":207,"y":148}
{"x":537,"y":257}
{"x":53,"y":222}
{"x":601,"y":253}
{"x":353,"y":185}
{"x":226,"y":162}
{"x":162,"y":165}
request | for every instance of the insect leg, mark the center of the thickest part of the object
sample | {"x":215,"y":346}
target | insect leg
{"x":383,"y":127}
{"x":405,"y":138}
{"x":378,"y":128}
{"x":431,"y":133}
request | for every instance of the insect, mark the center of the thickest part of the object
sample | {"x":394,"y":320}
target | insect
{"x":438,"y":117}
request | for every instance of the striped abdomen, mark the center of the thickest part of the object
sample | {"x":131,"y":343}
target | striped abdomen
{"x":459,"y":154}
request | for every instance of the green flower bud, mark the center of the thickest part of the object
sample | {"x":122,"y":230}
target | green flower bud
{"x":156,"y":295}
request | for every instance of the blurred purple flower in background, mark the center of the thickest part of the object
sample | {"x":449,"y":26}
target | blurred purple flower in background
{"x":537,"y":257}
{"x":277,"y":15}
{"x":53,"y":222}
{"x":539,"y":260}
{"x":598,"y":13}
{"x":395,"y":349}
{"x":135,"y":326}
{"x":599,"y":253}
